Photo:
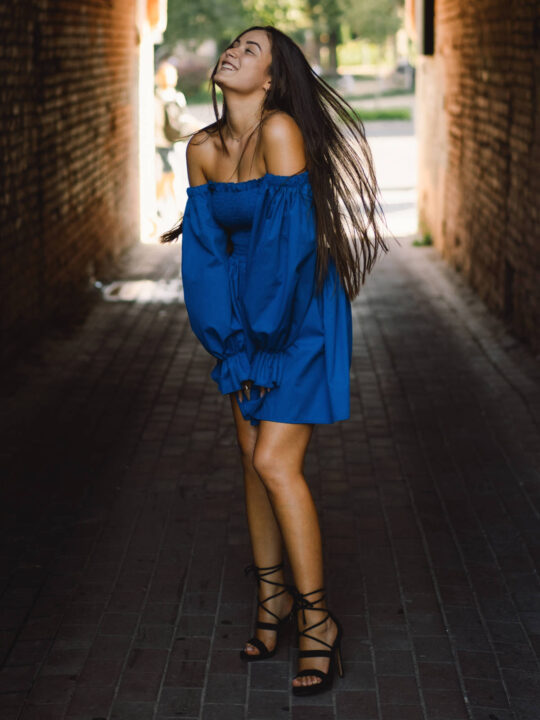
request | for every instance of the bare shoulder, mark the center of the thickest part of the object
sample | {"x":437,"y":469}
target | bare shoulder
{"x":279,"y":126}
{"x":199,"y":154}
{"x":282,"y":144}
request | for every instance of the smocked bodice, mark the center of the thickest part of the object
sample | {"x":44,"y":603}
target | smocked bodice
{"x":233,"y":204}
{"x":234,"y":211}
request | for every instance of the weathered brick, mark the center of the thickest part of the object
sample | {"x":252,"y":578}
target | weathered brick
{"x":480,"y":153}
{"x":68,"y":141}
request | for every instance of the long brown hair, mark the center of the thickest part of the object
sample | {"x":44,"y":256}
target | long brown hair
{"x":339,"y":162}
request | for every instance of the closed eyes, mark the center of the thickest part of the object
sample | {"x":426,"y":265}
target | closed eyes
{"x":248,"y":50}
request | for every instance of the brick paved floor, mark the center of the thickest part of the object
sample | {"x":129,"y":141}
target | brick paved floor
{"x":124,"y":536}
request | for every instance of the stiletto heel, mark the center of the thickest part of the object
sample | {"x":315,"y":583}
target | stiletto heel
{"x":261,"y":573}
{"x":339,"y":663}
{"x":334,"y":651}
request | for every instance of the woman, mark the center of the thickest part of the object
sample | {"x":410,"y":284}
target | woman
{"x":275,"y":247}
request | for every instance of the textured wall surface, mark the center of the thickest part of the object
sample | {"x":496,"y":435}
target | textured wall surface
{"x":479,"y":151}
{"x":68,"y":139}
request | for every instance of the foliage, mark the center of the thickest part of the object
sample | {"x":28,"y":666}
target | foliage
{"x":325,"y":15}
{"x":195,"y":20}
{"x":287,"y":15}
{"x":373,"y":20}
{"x":393,"y":92}
{"x":425,"y":241}
{"x":381,"y":114}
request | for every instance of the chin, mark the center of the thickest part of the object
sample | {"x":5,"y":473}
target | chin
{"x":224,"y":85}
{"x":220,"y":81}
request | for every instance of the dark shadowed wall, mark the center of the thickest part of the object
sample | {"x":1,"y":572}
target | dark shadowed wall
{"x":68,"y":138}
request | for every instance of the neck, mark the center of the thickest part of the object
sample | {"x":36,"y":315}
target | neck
{"x":243,"y":113}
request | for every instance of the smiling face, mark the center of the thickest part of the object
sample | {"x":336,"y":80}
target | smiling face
{"x":244,"y":66}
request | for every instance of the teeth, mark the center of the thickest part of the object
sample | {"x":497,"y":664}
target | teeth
{"x":228,"y":65}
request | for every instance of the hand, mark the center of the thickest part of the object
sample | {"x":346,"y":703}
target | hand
{"x":246,"y":388}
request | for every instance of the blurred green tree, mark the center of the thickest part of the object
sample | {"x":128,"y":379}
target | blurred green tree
{"x":326,"y":18}
{"x":195,"y":20}
{"x":373,"y":20}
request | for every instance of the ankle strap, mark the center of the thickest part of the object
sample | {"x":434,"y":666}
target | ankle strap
{"x":262,"y":575}
{"x":303,"y":604}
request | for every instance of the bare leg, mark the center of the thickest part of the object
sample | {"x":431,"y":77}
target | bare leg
{"x":264,"y":531}
{"x":278,"y":459}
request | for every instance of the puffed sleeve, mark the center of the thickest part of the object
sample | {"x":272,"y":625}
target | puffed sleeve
{"x":280,"y":273}
{"x":207,"y":291}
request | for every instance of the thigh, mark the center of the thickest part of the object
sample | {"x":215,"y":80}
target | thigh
{"x":280,"y":448}
{"x":246,"y":433}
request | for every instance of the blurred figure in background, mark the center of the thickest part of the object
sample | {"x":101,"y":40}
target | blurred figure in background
{"x":173,"y":128}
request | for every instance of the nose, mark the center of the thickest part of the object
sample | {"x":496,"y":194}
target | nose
{"x":230,"y":52}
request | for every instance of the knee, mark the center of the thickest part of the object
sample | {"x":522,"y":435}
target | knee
{"x":271,"y":471}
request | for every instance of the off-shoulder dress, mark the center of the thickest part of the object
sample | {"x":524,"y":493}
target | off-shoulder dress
{"x":255,"y":307}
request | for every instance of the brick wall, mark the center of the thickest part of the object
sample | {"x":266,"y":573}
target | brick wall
{"x":479,"y":151}
{"x":68,"y":139}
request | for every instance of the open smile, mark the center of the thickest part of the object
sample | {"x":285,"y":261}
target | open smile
{"x":226,"y":65}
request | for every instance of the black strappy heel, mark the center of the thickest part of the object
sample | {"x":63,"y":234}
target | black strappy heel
{"x":335,"y":649}
{"x":260,"y":573}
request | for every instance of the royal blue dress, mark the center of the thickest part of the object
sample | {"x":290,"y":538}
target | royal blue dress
{"x":256,"y":308}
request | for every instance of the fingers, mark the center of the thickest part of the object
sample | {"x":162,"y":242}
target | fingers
{"x":245,"y":392}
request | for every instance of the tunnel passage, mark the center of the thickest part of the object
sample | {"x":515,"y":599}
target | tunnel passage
{"x":69,"y":136}
{"x":124,"y":536}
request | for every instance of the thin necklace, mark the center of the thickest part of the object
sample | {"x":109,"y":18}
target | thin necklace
{"x":242,"y":135}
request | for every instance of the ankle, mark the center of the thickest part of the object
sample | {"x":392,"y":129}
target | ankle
{"x":316,"y":625}
{"x":312,"y":613}
{"x":270,"y":584}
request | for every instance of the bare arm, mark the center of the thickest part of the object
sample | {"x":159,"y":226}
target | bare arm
{"x":196,"y":153}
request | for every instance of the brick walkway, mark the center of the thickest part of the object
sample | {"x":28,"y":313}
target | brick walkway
{"x":123,"y":595}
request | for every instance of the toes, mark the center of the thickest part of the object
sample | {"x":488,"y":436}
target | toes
{"x":307,"y":680}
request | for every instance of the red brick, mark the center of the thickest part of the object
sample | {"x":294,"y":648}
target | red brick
{"x":478,"y":188}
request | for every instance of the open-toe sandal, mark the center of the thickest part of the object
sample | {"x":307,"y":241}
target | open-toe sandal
{"x":334,"y":651}
{"x":261,"y":573}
